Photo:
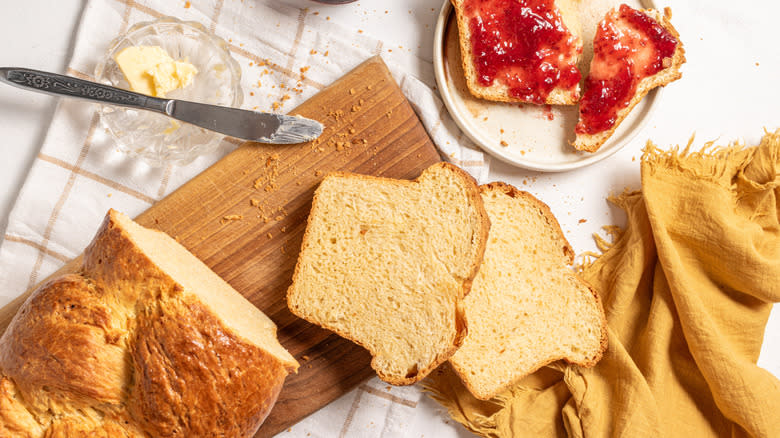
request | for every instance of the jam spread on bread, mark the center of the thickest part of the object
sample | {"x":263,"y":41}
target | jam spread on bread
{"x":524,"y":45}
{"x":629,"y":46}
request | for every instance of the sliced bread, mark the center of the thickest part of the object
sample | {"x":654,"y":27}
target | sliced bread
{"x":633,"y":52}
{"x":521,"y":50}
{"x":386,"y":263}
{"x":527,"y":308}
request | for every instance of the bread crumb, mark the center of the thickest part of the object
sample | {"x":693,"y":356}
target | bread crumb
{"x":110,"y":195}
{"x":187,"y":5}
{"x":254,"y":202}
{"x":355,"y":108}
{"x":502,"y":130}
{"x":231,"y":217}
{"x":312,"y":51}
{"x":283,"y":229}
{"x":305,"y":357}
{"x":276,"y":105}
{"x":270,"y":236}
{"x":352,"y":130}
{"x":582,"y":221}
{"x":337,"y":115}
{"x":504,"y":143}
{"x":278,"y":218}
{"x":351,"y":91}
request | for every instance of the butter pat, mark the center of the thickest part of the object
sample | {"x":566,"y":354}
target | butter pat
{"x":150,"y":70}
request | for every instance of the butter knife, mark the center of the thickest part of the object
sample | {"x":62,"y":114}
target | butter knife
{"x":248,"y":125}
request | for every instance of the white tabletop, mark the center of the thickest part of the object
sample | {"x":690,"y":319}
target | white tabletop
{"x":722,"y":96}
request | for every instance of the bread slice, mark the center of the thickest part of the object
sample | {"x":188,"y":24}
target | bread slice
{"x":386,"y":263}
{"x":564,"y":53}
{"x":527,"y":308}
{"x":591,"y":142}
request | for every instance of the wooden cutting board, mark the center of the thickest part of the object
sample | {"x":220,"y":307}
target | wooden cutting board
{"x":245,"y":217}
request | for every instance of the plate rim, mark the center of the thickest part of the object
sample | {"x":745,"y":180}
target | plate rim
{"x":444,"y":91}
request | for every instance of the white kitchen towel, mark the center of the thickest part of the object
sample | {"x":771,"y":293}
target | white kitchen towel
{"x":78,"y":174}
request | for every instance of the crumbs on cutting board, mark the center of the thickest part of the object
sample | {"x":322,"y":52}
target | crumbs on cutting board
{"x":267,"y":182}
{"x":231,"y":218}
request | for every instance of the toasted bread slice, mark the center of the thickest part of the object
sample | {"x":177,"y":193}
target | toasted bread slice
{"x":550,"y":79}
{"x":590,"y":140}
{"x":527,"y":308}
{"x":386,"y":263}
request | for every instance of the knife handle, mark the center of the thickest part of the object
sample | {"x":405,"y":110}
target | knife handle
{"x":59,"y":85}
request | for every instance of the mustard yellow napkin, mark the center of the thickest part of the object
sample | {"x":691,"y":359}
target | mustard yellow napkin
{"x":687,"y":290}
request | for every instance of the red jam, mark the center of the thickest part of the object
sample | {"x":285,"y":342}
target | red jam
{"x":629,"y":46}
{"x":524,"y":45}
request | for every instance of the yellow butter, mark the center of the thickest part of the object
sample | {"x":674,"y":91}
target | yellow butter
{"x":150,"y":70}
{"x":173,"y":128}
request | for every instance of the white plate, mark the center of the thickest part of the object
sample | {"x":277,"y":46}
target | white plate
{"x":536,"y":136}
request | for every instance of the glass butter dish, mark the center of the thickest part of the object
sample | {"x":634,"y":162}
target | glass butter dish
{"x":155,"y":138}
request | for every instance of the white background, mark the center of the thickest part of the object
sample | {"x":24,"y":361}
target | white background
{"x":729,"y":91}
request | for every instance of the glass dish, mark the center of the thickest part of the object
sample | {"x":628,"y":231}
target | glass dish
{"x":155,"y":138}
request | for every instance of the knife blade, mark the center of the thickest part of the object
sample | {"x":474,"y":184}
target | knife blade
{"x":244,"y":124}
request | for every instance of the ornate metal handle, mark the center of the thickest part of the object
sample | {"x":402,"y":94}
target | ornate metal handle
{"x":60,"y":85}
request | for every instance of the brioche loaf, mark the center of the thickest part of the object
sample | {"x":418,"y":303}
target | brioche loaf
{"x":527,"y":308}
{"x":386,"y":263}
{"x":143,"y":340}
{"x":622,"y":61}
{"x":521,"y":50}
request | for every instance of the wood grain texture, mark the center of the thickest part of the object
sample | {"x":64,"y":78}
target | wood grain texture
{"x":370,"y":128}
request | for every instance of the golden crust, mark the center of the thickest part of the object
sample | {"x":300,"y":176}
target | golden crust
{"x":498,"y":92}
{"x":591,"y":143}
{"x":568,"y":253}
{"x":480,"y":242}
{"x":120,"y":349}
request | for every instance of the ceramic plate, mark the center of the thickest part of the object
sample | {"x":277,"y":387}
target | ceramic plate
{"x":531,"y":136}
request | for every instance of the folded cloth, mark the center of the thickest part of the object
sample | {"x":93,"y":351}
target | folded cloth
{"x":687,"y":290}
